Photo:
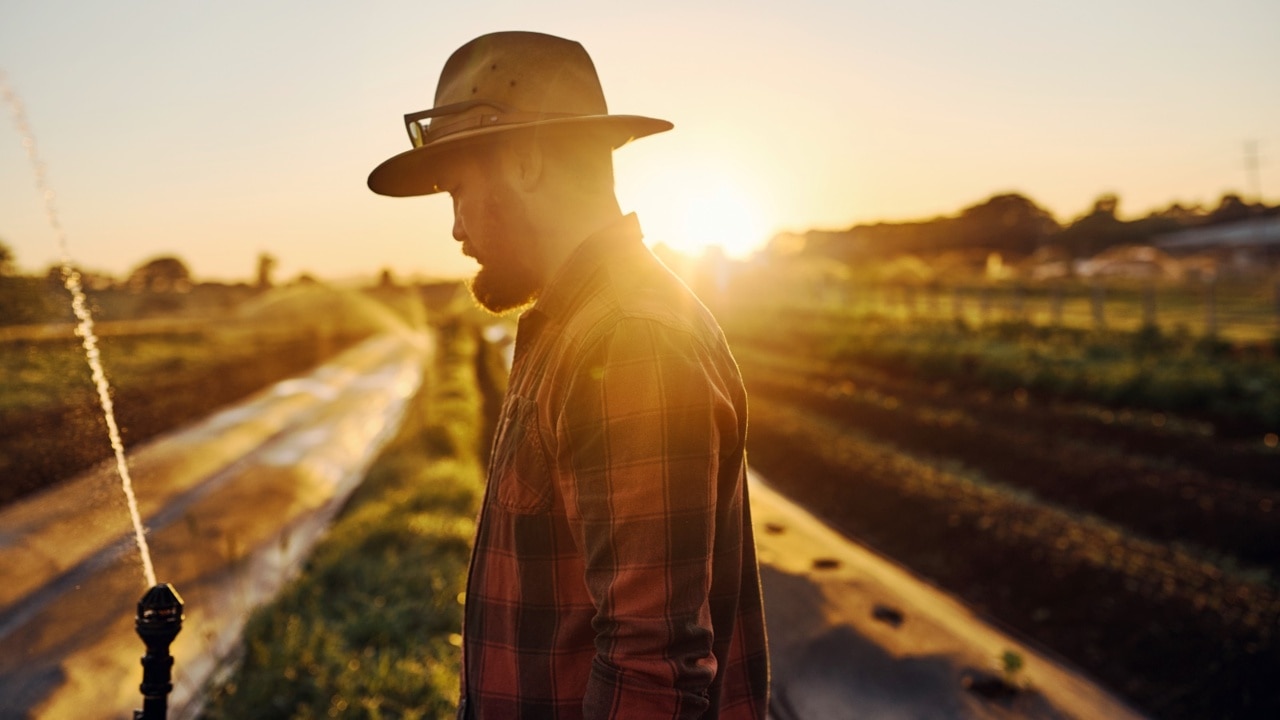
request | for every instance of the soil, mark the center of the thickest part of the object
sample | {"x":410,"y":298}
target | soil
{"x":1137,"y":545}
{"x":40,"y":448}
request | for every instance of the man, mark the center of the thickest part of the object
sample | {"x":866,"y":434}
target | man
{"x":614,"y":571}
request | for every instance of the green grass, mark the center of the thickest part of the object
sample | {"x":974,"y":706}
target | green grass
{"x":166,"y":371}
{"x":42,"y":369}
{"x":1236,"y":386}
{"x":1243,"y":311}
{"x":370,"y":629}
{"x":51,"y":423}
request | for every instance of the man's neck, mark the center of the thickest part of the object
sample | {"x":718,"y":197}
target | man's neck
{"x":571,"y":227}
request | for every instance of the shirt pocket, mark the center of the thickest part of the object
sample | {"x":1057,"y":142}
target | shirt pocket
{"x":520,"y":479}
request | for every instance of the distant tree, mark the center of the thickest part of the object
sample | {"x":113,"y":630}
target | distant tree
{"x":7,"y":264}
{"x":266,"y":266}
{"x":1010,"y":223}
{"x":89,"y":280}
{"x":386,"y":279}
{"x":1106,"y":204}
{"x":783,"y":244}
{"x":1231,"y":208}
{"x":1183,"y":214}
{"x":1096,"y":230}
{"x":53,"y":276}
{"x":165,"y":274}
{"x":1101,"y":229}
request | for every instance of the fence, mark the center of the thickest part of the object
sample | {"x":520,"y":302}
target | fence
{"x":1236,"y":311}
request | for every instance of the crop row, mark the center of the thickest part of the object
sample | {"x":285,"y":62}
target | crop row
{"x":1236,"y":389}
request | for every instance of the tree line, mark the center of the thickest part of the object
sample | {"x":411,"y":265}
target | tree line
{"x":1016,"y":226}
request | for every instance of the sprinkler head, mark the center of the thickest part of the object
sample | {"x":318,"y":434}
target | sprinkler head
{"x":159,"y":618}
{"x":158,"y":622}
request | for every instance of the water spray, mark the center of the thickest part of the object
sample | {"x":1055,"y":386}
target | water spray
{"x":159,"y":618}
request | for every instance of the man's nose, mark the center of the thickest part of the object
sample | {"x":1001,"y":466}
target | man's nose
{"x":459,"y":232}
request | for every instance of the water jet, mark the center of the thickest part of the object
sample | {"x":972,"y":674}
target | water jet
{"x":159,"y":614}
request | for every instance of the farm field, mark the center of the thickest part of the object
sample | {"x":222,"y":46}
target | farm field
{"x":164,"y":371}
{"x":1118,"y":506}
{"x":1111,"y":496}
{"x":1238,"y":311}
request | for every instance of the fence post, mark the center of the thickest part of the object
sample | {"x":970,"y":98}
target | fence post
{"x":1149,"y":306}
{"x":1211,"y":308}
{"x":1278,"y":307}
{"x":1097,"y":301}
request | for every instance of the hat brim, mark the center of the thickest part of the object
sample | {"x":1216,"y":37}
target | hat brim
{"x":418,"y":171}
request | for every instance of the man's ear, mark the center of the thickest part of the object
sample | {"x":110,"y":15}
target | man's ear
{"x":529,"y":162}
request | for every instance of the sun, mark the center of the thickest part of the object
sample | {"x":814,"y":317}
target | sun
{"x":700,"y":207}
{"x":717,"y":213}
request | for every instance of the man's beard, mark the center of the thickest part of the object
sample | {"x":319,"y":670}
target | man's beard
{"x":503,"y":285}
{"x":506,"y":279}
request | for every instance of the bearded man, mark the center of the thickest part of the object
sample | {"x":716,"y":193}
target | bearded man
{"x":614,"y":571}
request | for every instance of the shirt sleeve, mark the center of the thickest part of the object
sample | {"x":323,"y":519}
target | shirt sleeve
{"x":644,"y":418}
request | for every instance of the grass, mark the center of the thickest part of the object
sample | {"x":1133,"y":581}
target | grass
{"x":1235,"y":386}
{"x":370,"y":629}
{"x":1238,"y":311}
{"x":164,"y":372}
{"x":51,"y":425}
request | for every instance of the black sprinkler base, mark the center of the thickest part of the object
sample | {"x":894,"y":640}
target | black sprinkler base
{"x":158,"y":622}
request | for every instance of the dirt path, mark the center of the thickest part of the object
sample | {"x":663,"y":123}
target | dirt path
{"x":853,"y":635}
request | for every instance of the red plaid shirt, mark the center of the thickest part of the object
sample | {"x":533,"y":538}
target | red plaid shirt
{"x":614,"y":571}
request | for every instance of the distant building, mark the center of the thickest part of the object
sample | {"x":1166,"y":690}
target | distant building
{"x":1247,"y":247}
{"x":1130,"y":261}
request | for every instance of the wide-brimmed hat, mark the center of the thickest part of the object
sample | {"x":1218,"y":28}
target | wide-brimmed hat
{"x":498,"y":83}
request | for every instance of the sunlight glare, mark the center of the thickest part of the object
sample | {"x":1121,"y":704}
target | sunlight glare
{"x":718,"y":214}
{"x":696,"y":208}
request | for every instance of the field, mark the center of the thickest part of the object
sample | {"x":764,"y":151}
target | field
{"x":1111,"y":495}
{"x":1237,"y":311}
{"x":164,"y":370}
{"x":1109,"y":492}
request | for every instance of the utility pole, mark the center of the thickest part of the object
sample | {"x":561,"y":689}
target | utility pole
{"x":1251,"y":169}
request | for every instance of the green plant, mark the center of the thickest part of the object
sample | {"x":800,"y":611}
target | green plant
{"x":1011,"y":665}
{"x":1236,"y":386}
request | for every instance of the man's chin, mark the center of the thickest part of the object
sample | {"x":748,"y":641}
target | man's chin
{"x":501,"y":294}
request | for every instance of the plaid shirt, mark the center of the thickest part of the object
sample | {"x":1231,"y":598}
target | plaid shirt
{"x":614,"y":571}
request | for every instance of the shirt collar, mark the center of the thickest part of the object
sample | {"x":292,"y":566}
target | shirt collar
{"x":561,"y":293}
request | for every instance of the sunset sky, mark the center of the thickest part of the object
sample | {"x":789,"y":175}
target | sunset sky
{"x":216,"y":131}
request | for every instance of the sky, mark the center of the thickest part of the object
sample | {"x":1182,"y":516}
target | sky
{"x":218,"y":131}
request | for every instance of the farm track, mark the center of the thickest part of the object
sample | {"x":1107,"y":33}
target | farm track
{"x":1127,"y":550}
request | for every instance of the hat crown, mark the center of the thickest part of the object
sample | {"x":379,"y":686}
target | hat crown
{"x":524,"y":71}
{"x":500,"y":83}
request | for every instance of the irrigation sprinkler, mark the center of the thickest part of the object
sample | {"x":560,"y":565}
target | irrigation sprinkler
{"x":158,"y":622}
{"x":159,"y":618}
